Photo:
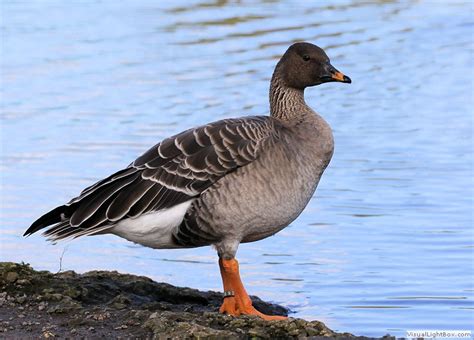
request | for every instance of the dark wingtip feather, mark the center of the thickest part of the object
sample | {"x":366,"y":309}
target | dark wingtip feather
{"x":54,"y":216}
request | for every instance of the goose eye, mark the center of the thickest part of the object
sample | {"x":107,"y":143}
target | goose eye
{"x":306,"y":57}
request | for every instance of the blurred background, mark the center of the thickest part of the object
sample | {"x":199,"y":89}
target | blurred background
{"x":385,"y":245}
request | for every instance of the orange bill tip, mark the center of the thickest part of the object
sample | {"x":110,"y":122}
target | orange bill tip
{"x":339,"y":76}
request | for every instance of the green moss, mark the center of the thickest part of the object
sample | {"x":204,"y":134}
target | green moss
{"x":111,"y":305}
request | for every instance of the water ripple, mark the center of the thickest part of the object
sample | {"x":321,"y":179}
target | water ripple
{"x":87,"y":87}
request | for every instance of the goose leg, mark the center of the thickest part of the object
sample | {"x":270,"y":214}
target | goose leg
{"x":240,"y":303}
{"x":229,"y":305}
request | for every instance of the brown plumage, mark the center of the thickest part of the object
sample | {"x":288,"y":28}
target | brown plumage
{"x":174,"y":171}
{"x":227,"y":182}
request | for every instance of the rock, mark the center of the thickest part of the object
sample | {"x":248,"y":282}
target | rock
{"x":21,"y":299}
{"x":65,"y":305}
{"x":120,"y":302}
{"x":113,"y":305}
{"x":11,"y":277}
{"x":23,"y":282}
{"x":73,"y":293}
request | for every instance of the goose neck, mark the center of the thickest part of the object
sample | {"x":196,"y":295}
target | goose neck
{"x":286,"y":103}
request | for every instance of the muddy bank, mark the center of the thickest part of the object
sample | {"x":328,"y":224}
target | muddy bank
{"x":113,"y":305}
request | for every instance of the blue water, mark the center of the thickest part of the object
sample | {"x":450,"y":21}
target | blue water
{"x":385,"y":245}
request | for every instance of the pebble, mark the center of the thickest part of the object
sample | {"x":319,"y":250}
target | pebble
{"x":21,"y":299}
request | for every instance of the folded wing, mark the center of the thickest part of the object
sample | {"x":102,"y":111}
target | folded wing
{"x":174,"y":171}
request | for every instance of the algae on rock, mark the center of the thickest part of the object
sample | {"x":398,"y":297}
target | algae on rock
{"x":110,"y":304}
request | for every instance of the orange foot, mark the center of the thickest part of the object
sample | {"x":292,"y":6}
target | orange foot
{"x":239,"y":303}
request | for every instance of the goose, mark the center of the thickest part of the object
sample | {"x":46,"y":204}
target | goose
{"x":224,"y":183}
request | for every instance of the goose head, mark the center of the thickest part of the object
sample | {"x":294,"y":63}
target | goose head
{"x":305,"y":64}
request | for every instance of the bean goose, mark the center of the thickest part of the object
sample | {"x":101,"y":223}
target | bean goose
{"x":224,"y":183}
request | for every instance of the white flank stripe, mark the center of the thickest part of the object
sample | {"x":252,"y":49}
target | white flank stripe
{"x":153,"y":229}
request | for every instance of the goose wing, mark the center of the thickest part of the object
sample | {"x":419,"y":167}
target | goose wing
{"x":174,"y":171}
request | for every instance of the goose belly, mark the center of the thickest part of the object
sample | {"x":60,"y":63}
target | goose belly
{"x":259,"y":200}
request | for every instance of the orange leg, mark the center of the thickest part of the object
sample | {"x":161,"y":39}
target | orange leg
{"x":229,"y":305}
{"x":240,"y":303}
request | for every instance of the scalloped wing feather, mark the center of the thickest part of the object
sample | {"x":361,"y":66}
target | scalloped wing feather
{"x":174,"y":171}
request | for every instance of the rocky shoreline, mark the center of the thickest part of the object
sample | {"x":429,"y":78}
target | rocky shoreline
{"x":103,"y":304}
